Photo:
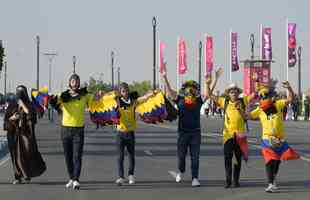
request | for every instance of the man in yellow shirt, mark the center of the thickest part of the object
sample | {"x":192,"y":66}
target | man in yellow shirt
{"x":125,"y":137}
{"x":234,"y":128}
{"x":72,"y":104}
{"x":274,"y":146}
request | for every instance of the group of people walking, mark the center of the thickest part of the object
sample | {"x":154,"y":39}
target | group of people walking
{"x":20,"y":120}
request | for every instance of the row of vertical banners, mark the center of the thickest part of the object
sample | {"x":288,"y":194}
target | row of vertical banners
{"x":266,"y":50}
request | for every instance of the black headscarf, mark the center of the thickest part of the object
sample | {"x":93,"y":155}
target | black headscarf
{"x":22,"y":94}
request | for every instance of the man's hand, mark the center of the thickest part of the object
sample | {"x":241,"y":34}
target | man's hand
{"x":209,"y":79}
{"x":164,"y":71}
{"x":286,"y":85}
{"x":219,"y":72}
{"x":14,"y":117}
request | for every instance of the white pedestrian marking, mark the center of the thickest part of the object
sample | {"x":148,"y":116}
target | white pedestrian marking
{"x":148,"y":152}
{"x":173,"y":173}
{"x":251,"y":142}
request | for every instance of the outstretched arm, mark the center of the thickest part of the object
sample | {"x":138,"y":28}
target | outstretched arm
{"x":147,"y":96}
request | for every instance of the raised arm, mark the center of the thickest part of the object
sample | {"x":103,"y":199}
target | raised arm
{"x":172,"y":93}
{"x":210,"y":88}
{"x":290,"y":96}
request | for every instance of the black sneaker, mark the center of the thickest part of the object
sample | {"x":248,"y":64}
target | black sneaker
{"x":227,"y":185}
{"x":236,"y":184}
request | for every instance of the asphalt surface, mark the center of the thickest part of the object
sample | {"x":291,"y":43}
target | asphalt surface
{"x":156,"y":164}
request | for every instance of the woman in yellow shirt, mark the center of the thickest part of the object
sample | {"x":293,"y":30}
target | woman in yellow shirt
{"x":274,"y":146}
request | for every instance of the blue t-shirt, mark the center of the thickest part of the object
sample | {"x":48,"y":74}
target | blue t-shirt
{"x":189,"y":118}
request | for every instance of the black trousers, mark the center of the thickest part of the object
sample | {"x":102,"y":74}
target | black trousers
{"x":125,"y":140}
{"x":73,"y":142}
{"x":192,"y":142}
{"x":231,"y":147}
{"x":272,"y":169}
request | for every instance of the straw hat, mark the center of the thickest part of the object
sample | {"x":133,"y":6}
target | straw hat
{"x":232,"y":86}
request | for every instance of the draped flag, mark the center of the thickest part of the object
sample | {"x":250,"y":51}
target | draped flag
{"x":242,"y":141}
{"x":291,"y":41}
{"x":182,"y":56}
{"x":282,"y":151}
{"x":162,"y":61}
{"x":234,"y":52}
{"x":209,"y":55}
{"x":266,"y":44}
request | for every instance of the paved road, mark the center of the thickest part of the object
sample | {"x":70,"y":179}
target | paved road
{"x":155,"y":164}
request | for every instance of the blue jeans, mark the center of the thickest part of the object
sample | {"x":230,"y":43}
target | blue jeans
{"x":73,"y":142}
{"x":125,"y":139}
{"x":191,"y":141}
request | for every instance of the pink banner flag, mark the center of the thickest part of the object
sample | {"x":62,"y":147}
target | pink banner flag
{"x":266,"y":44}
{"x":182,"y":56}
{"x":234,"y":52}
{"x":291,"y":44}
{"x":162,"y":61}
{"x":209,"y":55}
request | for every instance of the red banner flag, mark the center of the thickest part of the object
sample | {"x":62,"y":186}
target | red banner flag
{"x":209,"y":55}
{"x":234,"y":52}
{"x":162,"y":61}
{"x":291,"y":44}
{"x":182,"y":56}
{"x":266,"y":44}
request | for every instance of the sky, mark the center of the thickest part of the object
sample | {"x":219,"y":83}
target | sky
{"x":91,"y":29}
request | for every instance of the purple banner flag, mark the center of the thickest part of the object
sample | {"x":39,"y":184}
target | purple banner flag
{"x":266,"y":44}
{"x":234,"y":52}
{"x":291,"y":41}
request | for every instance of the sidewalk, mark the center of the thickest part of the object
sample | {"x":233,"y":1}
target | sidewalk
{"x":3,"y":140}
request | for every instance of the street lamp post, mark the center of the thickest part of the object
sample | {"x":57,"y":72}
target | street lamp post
{"x":112,"y":69}
{"x":154,"y":52}
{"x":118,"y":76}
{"x":299,"y":72}
{"x":50,"y":57}
{"x":74,"y":62}
{"x":38,"y":61}
{"x":199,"y":63}
{"x":5,"y":77}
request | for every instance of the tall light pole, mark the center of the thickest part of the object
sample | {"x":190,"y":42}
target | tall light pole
{"x":154,"y":23}
{"x":50,"y":57}
{"x":299,"y":72}
{"x":5,"y":77}
{"x":74,"y":62}
{"x":38,"y":61}
{"x":118,"y":76}
{"x":112,"y":69}
{"x":199,"y":63}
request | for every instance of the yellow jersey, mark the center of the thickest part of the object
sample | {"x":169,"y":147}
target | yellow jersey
{"x":233,"y":121}
{"x":73,"y":111}
{"x":271,"y":125}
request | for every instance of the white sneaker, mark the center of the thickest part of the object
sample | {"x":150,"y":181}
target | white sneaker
{"x":120,"y":181}
{"x":69,"y":184}
{"x":131,"y":179}
{"x":274,"y":185}
{"x":270,"y":188}
{"x":195,"y":182}
{"x":76,"y":185}
{"x":178,"y":177}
